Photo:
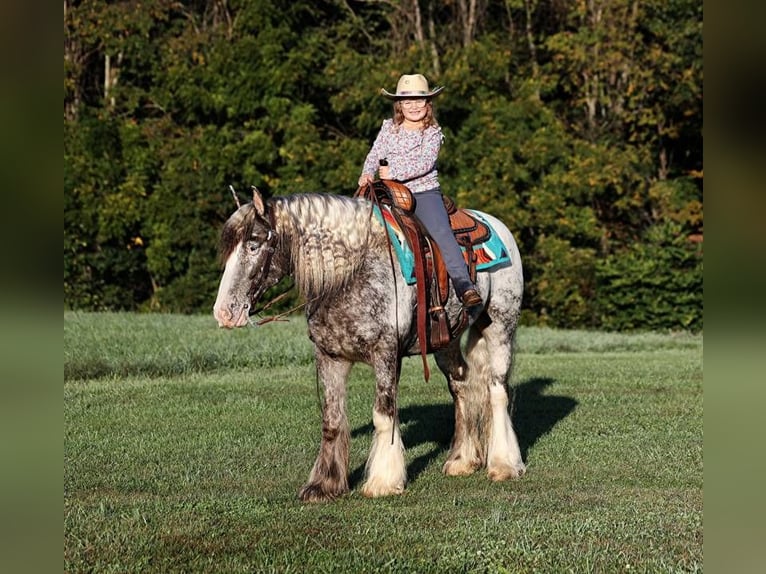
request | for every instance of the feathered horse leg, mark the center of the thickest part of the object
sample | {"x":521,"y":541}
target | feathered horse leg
{"x":466,"y":454}
{"x":385,"y":471}
{"x":490,"y":357}
{"x":329,"y":477}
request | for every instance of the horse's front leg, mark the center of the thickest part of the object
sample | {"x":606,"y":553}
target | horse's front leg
{"x":385,"y":471}
{"x":329,"y":477}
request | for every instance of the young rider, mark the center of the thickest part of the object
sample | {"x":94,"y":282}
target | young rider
{"x":409,"y":143}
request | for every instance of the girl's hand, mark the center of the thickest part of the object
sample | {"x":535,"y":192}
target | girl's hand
{"x":383,"y":172}
{"x":365,"y":179}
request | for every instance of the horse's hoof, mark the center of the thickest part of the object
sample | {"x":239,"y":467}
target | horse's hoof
{"x":374,"y":489}
{"x":502,"y":472}
{"x":315,"y":493}
{"x":459,"y":467}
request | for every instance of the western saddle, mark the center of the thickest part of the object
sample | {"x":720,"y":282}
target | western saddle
{"x":432,"y":282}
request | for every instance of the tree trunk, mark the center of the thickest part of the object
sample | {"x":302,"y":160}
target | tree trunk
{"x":468,"y":16}
{"x":420,"y":37}
{"x":72,"y":61}
{"x":435,"y":62}
{"x":532,"y":47}
{"x":111,"y":73}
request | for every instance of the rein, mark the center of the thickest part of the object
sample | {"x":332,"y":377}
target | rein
{"x":376,"y":203}
{"x":279,"y":317}
{"x":419,"y":271}
{"x":255,"y":282}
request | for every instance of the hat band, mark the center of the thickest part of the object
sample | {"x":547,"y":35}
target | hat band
{"x":413,"y":93}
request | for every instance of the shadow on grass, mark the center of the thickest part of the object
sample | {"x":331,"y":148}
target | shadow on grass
{"x":534,"y":415}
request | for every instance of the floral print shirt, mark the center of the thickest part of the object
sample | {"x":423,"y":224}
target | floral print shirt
{"x":411,"y":155}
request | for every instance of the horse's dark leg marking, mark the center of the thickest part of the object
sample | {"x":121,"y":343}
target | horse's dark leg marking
{"x":385,"y":471}
{"x":329,"y":477}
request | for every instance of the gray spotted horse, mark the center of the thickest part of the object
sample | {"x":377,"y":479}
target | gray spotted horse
{"x":340,"y":259}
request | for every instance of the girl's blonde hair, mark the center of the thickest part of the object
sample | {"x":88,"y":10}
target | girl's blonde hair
{"x":428,"y":121}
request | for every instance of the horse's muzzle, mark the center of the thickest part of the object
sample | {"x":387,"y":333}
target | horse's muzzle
{"x":232,"y":316}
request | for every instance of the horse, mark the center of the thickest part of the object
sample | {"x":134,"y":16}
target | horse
{"x":359,"y":309}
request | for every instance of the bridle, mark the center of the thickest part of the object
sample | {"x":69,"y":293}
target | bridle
{"x":257,"y":279}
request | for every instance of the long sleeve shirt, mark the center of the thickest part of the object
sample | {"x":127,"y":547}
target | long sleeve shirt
{"x":411,"y":155}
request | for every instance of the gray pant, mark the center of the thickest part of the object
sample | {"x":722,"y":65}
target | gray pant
{"x":429,"y":208}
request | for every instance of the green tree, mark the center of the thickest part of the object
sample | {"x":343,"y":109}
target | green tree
{"x":654,"y":284}
{"x":578,"y":123}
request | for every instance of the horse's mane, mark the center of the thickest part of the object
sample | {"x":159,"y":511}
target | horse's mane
{"x":326,"y":235}
{"x":329,"y":237}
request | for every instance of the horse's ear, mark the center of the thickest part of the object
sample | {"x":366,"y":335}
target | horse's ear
{"x":260,"y":207}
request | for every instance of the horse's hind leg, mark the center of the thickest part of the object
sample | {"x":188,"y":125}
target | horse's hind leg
{"x":329,"y":477}
{"x":489,"y":353}
{"x":385,"y":471}
{"x":466,"y":453}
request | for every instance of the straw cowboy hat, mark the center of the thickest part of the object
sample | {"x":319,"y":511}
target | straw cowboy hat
{"x":412,"y":86}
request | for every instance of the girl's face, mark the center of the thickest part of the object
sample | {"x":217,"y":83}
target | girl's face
{"x":414,"y":109}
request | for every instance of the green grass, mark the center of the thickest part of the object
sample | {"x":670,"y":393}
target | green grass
{"x":185,"y":447}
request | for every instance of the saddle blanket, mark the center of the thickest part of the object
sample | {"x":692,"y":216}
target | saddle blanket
{"x":488,"y":255}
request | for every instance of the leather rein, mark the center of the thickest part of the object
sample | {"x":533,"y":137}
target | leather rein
{"x":257,"y":279}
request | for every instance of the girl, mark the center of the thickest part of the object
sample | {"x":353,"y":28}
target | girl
{"x":406,"y":150}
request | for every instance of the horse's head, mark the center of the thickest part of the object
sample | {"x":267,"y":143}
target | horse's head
{"x":251,"y":266}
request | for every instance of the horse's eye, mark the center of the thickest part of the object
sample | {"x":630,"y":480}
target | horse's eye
{"x":252,"y":247}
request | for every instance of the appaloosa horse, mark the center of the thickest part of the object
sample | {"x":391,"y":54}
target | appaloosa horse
{"x":337,"y":253}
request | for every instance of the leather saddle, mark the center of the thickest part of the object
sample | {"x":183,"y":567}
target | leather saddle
{"x":432,"y":281}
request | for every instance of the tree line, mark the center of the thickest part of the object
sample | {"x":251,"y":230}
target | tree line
{"x":577,"y":122}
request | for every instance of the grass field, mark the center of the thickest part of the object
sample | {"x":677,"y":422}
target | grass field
{"x":185,"y":446}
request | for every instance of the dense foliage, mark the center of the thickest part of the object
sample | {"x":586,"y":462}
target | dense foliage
{"x":577,"y":122}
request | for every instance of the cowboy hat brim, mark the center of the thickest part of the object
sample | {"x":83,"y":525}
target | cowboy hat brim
{"x":413,"y":94}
